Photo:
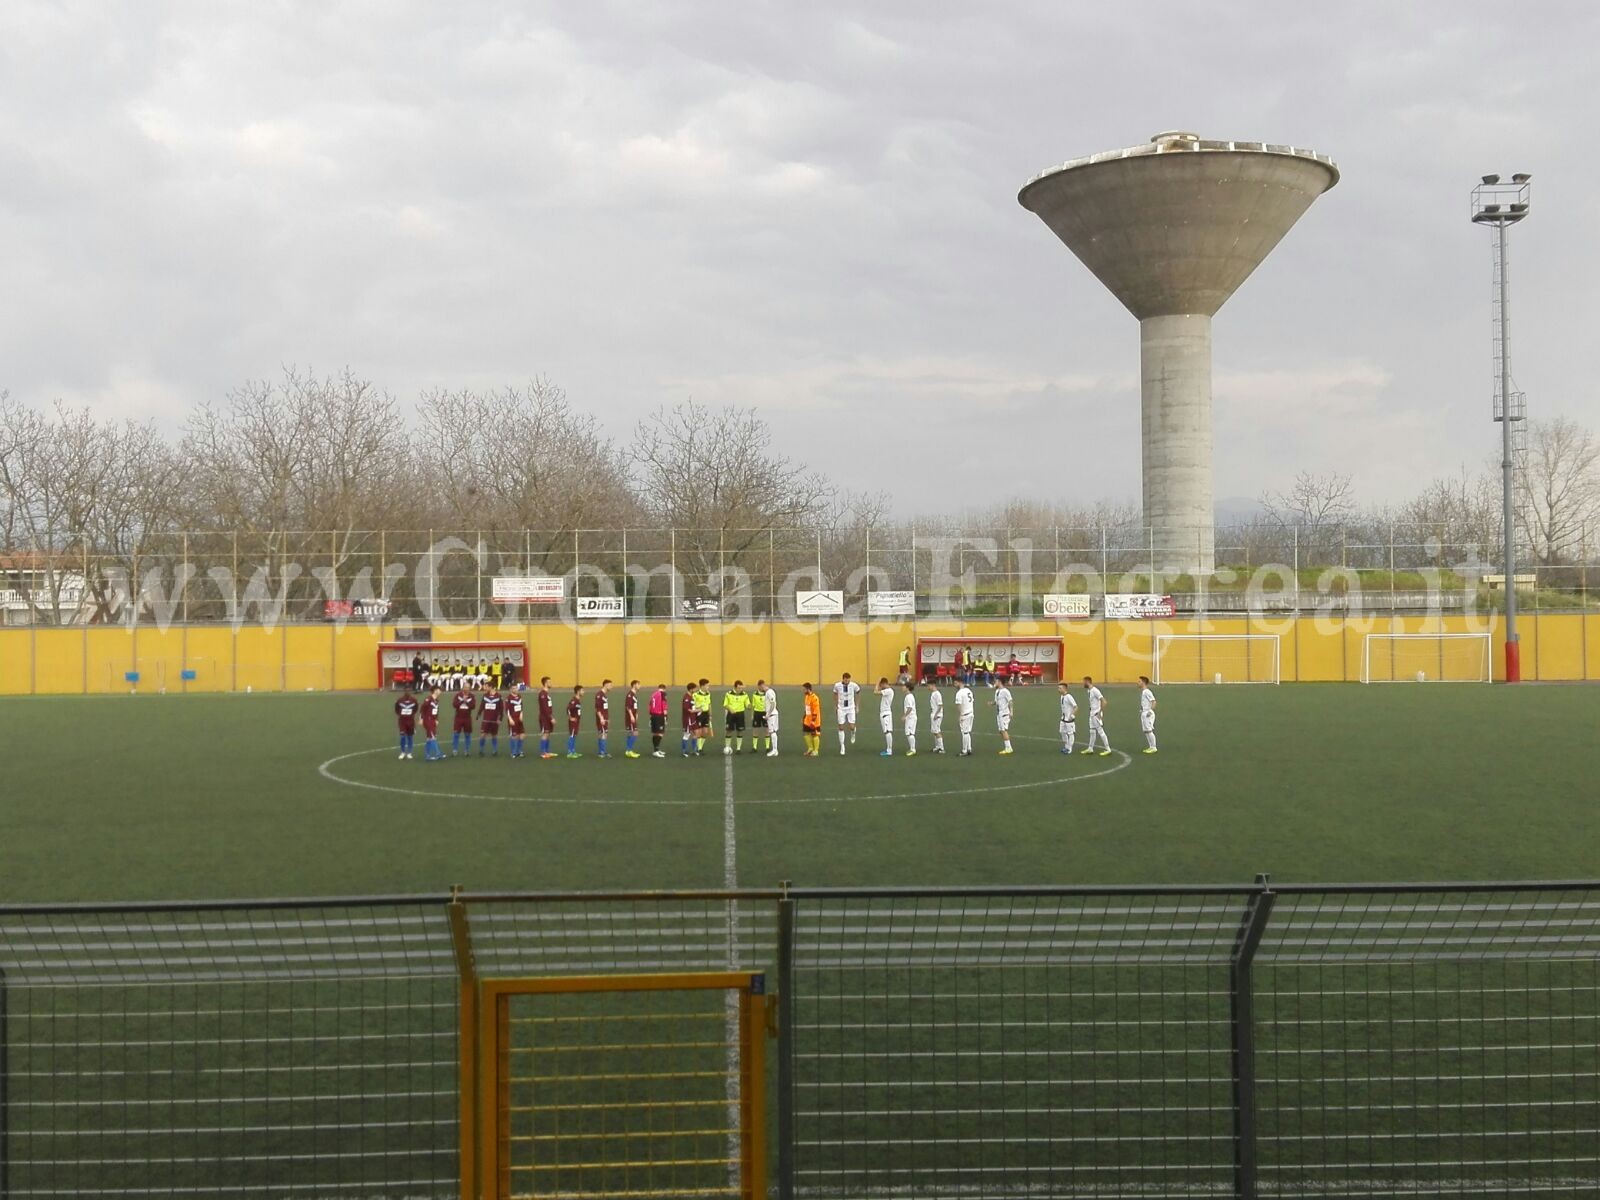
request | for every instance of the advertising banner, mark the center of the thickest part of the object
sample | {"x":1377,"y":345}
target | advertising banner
{"x":600,"y":608}
{"x":819,"y":604}
{"x":1122,"y":606}
{"x":529,"y":589}
{"x":1066,"y":605}
{"x":891,"y":604}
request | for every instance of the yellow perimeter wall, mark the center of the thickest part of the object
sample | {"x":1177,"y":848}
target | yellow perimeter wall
{"x":95,"y":660}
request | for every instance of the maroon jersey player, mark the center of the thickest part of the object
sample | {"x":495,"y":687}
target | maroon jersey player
{"x":602,"y":714}
{"x":547,"y":718}
{"x":514,"y":726}
{"x":405,"y":716}
{"x":465,"y":703}
{"x":690,"y":718}
{"x":630,"y":718}
{"x":574,"y":721}
{"x":430,"y":727}
{"x":490,"y":707}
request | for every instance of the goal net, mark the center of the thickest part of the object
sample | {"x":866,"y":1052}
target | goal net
{"x":1426,"y":658}
{"x":1216,"y":658}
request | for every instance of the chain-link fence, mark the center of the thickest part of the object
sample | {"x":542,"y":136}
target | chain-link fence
{"x":459,"y":576}
{"x":1355,"y":1041}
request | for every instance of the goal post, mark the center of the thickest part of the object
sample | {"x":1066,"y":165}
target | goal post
{"x":1216,"y":658}
{"x":1426,"y":658}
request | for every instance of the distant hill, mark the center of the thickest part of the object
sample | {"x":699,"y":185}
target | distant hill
{"x":1237,"y":510}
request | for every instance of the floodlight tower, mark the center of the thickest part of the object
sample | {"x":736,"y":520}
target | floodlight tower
{"x":1173,"y":227}
{"x":1502,"y":205}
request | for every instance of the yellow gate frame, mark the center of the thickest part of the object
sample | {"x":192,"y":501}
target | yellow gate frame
{"x":485,"y":1066}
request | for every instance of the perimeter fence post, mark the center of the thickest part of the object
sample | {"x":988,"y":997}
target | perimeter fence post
{"x":5,"y":1092}
{"x":467,"y":1034}
{"x":785,"y":1044}
{"x":1258,"y":909}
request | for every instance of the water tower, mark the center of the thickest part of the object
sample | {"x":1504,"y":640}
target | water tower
{"x":1173,"y":228}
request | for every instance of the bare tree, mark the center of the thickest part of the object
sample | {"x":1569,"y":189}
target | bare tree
{"x":1461,"y":512}
{"x":299,"y":468}
{"x":714,"y":474}
{"x":1559,"y":493}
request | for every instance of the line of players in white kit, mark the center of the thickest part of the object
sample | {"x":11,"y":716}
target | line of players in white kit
{"x":847,"y":695}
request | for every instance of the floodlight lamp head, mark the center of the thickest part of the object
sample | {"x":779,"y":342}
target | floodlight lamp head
{"x":1521,"y":177}
{"x":1491,"y":179}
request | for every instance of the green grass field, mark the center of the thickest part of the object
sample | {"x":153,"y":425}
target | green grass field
{"x":189,"y":797}
{"x":1025,"y":1046}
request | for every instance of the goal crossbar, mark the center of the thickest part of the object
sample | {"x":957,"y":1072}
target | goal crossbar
{"x":1254,"y":658}
{"x":1430,"y":658}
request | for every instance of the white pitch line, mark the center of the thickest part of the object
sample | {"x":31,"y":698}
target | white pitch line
{"x":326,"y":770}
{"x":730,"y":1032}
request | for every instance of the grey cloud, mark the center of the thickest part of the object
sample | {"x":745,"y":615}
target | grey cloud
{"x":810,"y":208}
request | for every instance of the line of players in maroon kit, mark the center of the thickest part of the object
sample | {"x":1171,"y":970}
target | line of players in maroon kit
{"x":488,"y":705}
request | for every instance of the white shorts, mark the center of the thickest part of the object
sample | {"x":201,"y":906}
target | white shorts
{"x":936,"y":724}
{"x":1069,"y":729}
{"x":772,"y":721}
{"x":909,"y":728}
{"x":886,"y":722}
{"x":846,"y":716}
{"x":1002,"y":721}
{"x":1147,"y":720}
{"x":966,"y":724}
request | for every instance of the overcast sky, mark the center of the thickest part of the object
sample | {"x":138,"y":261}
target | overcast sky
{"x":810,"y":208}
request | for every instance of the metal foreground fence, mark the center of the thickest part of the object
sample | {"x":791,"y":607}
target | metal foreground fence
{"x":1261,"y":1041}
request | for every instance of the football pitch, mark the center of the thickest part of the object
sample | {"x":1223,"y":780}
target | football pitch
{"x":187,"y":797}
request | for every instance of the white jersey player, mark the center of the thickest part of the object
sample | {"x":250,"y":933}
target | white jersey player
{"x":1069,"y":719}
{"x":936,"y":717}
{"x":772,"y":722}
{"x":1097,"y":719}
{"x":846,"y":693}
{"x":886,"y":717}
{"x":964,"y":718}
{"x":1147,"y":714}
{"x":1002,"y":716}
{"x":908,"y":718}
